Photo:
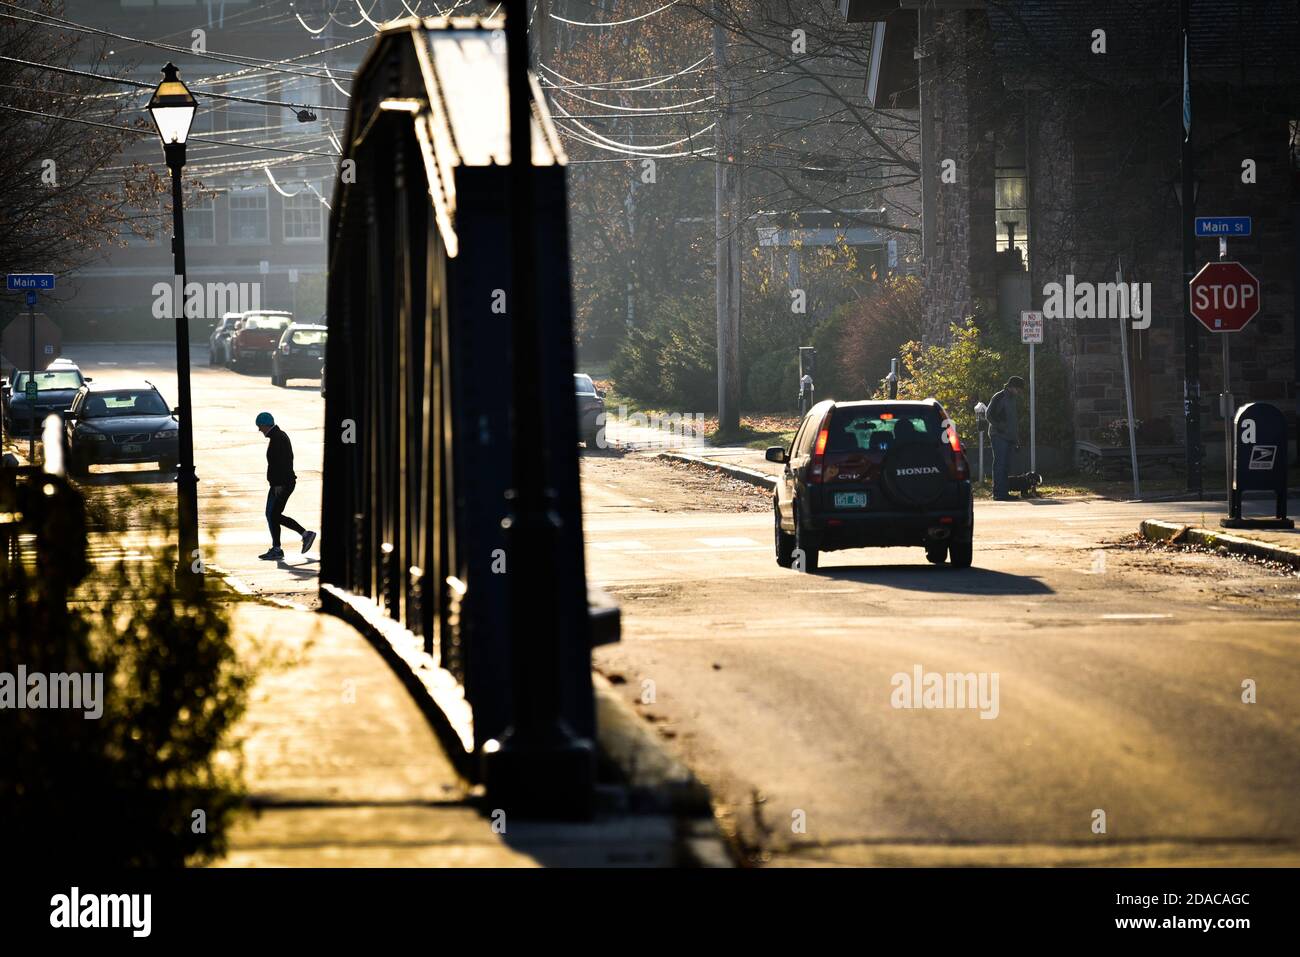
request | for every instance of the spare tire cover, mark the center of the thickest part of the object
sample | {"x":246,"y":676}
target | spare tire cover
{"x":916,"y":473}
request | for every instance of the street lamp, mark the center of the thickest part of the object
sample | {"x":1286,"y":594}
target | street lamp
{"x":172,"y":107}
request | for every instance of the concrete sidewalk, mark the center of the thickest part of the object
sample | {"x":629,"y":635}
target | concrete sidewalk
{"x":342,"y":768}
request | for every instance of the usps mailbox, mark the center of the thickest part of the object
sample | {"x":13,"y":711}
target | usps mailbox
{"x":1260,"y":464}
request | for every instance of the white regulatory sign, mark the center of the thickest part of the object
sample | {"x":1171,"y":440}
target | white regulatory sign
{"x":1031,"y":327}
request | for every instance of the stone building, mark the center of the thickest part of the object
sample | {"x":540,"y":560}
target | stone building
{"x":1051,"y":144}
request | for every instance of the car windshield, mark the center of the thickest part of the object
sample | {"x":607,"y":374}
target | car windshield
{"x":266,"y":322}
{"x":880,"y":429}
{"x":46,"y":381}
{"x":309,"y":337}
{"x":582,"y":385}
{"x":132,"y":402}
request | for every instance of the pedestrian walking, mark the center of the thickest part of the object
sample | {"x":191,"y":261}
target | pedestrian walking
{"x":280,"y":475}
{"x":1004,"y":430}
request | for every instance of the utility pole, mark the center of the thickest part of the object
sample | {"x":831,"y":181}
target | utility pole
{"x":726,"y":181}
{"x":1191,"y":328}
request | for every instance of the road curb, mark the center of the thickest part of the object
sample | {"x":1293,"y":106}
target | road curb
{"x":761,"y":479}
{"x":656,"y":780}
{"x":1154,"y":531}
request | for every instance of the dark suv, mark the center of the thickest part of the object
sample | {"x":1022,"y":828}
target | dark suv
{"x":300,"y":353}
{"x":883,"y":473}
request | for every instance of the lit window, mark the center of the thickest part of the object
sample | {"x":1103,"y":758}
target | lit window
{"x":1011,"y":207}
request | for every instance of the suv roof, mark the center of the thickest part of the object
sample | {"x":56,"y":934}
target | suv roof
{"x":869,"y":403}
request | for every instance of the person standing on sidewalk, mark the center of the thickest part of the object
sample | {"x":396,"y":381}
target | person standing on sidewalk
{"x":1004,"y":430}
{"x":280,"y":475}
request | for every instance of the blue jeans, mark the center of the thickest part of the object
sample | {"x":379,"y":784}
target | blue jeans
{"x":1002,"y":450}
{"x":276,"y":499}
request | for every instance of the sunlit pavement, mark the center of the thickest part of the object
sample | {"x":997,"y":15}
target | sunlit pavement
{"x":1120,"y":671}
{"x":230,"y":458}
{"x":1120,"y":685}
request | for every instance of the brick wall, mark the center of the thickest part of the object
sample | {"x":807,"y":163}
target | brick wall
{"x":1102,"y":167}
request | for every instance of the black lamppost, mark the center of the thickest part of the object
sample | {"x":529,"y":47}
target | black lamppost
{"x":172,"y":107}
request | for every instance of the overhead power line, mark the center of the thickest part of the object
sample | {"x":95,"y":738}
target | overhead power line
{"x":139,"y":132}
{"x":58,"y":22}
{"x":612,"y":23}
{"x":122,"y":81}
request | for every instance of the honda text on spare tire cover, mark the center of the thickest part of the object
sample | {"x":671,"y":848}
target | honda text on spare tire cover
{"x":862,"y":474}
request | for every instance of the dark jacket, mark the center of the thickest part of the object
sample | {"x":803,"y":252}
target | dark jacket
{"x":279,"y":458}
{"x":1004,"y":417}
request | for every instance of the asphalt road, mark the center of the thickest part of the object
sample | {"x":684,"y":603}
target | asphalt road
{"x":1119,"y":669}
{"x":230,"y":459}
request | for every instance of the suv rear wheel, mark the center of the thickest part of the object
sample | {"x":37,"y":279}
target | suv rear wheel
{"x":937,"y":553}
{"x":805,"y":546}
{"x":961,"y":553}
{"x":784,"y":541}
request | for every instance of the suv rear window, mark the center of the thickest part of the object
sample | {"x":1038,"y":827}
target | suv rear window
{"x":881,"y":429}
{"x":266,"y":322}
{"x":308,"y":337}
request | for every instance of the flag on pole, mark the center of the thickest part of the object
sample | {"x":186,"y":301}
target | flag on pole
{"x":1187,"y":93}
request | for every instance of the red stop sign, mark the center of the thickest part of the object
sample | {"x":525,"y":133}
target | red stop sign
{"x":1225,"y":296}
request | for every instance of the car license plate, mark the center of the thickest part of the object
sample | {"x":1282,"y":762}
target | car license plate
{"x":131,"y":448}
{"x":850,"y":499}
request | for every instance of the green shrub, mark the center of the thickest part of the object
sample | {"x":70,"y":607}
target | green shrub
{"x":122,"y":789}
{"x":970,"y":369}
{"x":670,"y":360}
{"x":772,"y":384}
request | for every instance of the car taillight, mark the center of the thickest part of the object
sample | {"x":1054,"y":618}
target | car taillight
{"x":960,"y":467}
{"x":819,"y":455}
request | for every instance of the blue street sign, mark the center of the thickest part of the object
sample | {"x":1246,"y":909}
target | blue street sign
{"x":19,"y":282}
{"x":1226,"y":226}
{"x":31,"y":297}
